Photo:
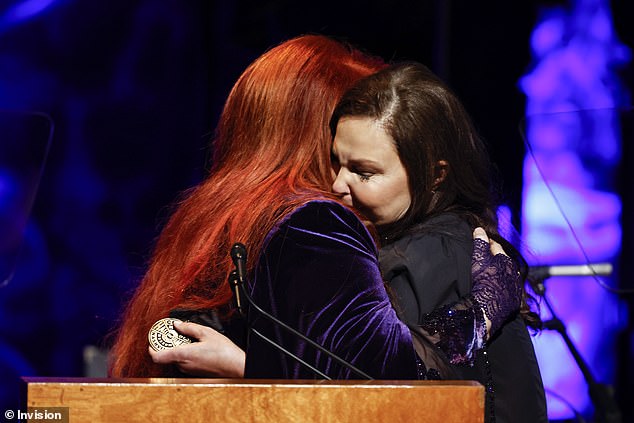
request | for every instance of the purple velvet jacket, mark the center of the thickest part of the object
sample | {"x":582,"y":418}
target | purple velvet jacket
{"x":318,"y":272}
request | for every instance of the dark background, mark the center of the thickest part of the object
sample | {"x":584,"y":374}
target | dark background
{"x":134,"y":88}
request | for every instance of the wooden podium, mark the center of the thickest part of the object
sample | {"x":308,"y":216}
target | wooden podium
{"x":242,"y":400}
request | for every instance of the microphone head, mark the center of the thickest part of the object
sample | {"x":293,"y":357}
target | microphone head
{"x":238,"y":252}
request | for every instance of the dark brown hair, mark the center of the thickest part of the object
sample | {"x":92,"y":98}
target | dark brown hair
{"x":428,"y":124}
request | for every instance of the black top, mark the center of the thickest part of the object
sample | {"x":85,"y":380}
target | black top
{"x":432,"y":267}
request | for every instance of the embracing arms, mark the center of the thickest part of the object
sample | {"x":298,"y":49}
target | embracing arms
{"x":458,"y":329}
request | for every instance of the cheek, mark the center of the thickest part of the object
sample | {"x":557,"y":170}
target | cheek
{"x":402,"y":196}
{"x":365,"y":196}
{"x":401,"y":192}
{"x":396,"y":199}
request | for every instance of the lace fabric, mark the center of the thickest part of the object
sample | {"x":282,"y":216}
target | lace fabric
{"x":496,"y":284}
{"x":459,"y":329}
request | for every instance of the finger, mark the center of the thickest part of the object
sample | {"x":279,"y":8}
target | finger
{"x":157,"y":356}
{"x":481,"y":247}
{"x":193,"y":330}
{"x":167,"y":356}
{"x":480,"y":233}
{"x":497,"y":248}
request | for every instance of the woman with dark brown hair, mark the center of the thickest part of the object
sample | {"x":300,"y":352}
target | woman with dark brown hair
{"x":409,"y":158}
{"x":314,"y":264}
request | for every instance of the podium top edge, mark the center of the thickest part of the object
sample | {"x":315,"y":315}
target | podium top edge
{"x":208,"y":382}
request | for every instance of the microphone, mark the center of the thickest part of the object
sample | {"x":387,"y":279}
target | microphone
{"x":238,"y":278}
{"x":592,"y":269}
{"x":234,"y":282}
{"x":239,"y":257}
{"x":600,"y":394}
{"x":537,"y":274}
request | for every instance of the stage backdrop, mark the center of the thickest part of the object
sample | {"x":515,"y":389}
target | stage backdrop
{"x":131,"y":91}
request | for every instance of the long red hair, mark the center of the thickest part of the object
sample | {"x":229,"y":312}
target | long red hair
{"x":271,"y":155}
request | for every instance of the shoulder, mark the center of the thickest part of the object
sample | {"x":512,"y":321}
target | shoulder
{"x":323,"y":214}
{"x":325,"y":221}
{"x":431,"y":264}
{"x":326,"y":212}
{"x":441,"y":236}
{"x":448,"y":225}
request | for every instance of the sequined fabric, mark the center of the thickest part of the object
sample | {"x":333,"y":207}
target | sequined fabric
{"x":457,"y":329}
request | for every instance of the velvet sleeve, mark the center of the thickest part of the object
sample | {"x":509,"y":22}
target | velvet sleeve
{"x":319,"y":274}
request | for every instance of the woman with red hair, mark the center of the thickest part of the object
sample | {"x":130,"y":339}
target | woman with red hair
{"x":268,"y":159}
{"x":315,"y":263}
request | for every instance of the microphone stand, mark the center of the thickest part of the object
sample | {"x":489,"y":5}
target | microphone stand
{"x":601,"y":395}
{"x":237,"y":280}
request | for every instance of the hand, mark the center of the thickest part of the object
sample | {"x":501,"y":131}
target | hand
{"x":214,"y":355}
{"x":495,"y":247}
{"x":461,"y":328}
{"x":497,"y":285}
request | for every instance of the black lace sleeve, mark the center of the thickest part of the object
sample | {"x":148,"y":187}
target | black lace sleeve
{"x":459,"y":329}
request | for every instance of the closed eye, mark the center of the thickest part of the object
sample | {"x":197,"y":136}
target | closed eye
{"x":364,"y":175}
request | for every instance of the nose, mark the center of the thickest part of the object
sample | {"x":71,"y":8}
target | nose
{"x":340,"y":187}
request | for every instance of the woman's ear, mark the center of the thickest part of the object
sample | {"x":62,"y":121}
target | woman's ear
{"x":440,"y":173}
